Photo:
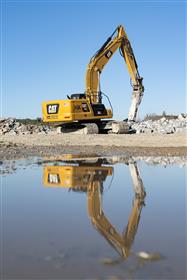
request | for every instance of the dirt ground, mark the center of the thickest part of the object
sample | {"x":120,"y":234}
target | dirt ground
{"x":14,"y":147}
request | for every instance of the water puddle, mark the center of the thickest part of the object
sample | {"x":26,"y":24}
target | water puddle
{"x":93,"y":218}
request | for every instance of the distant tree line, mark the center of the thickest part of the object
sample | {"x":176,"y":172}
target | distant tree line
{"x":37,"y":121}
{"x":155,"y":117}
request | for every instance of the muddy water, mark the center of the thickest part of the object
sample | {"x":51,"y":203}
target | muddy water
{"x":93,"y":219}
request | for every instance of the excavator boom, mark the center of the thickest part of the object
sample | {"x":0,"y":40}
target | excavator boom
{"x":102,"y":57}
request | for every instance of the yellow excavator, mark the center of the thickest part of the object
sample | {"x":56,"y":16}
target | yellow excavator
{"x":85,"y":111}
{"x":89,"y":178}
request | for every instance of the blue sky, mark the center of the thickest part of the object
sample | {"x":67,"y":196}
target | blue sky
{"x":46,"y":46}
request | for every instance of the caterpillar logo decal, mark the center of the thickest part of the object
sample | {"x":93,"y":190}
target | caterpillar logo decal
{"x":53,"y":178}
{"x":52,"y":108}
{"x":108,"y":54}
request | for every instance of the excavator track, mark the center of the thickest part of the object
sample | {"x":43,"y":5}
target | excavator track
{"x":76,"y":128}
{"x":110,"y":127}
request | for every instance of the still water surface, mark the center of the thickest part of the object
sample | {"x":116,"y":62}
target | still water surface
{"x":94,"y":220}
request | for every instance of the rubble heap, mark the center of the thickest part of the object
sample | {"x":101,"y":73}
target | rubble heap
{"x":12,"y":127}
{"x":162,"y":126}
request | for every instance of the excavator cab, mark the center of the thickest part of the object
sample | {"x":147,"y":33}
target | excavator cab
{"x":78,"y":96}
{"x":98,"y":109}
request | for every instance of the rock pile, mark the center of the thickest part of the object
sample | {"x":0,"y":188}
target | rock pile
{"x":181,"y":161}
{"x":162,"y":126}
{"x":12,"y":127}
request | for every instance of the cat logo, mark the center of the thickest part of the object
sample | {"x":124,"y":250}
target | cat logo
{"x":108,"y":54}
{"x":53,"y":178}
{"x":52,"y":108}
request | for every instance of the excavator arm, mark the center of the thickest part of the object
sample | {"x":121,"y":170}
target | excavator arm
{"x":121,"y":242}
{"x":100,"y":59}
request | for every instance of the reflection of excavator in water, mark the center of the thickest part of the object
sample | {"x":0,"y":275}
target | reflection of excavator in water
{"x":89,"y":178}
{"x":87,"y":110}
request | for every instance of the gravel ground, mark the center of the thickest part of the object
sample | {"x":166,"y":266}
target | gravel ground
{"x":22,"y":146}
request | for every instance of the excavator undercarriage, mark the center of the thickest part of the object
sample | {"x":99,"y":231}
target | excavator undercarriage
{"x":94,"y":127}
